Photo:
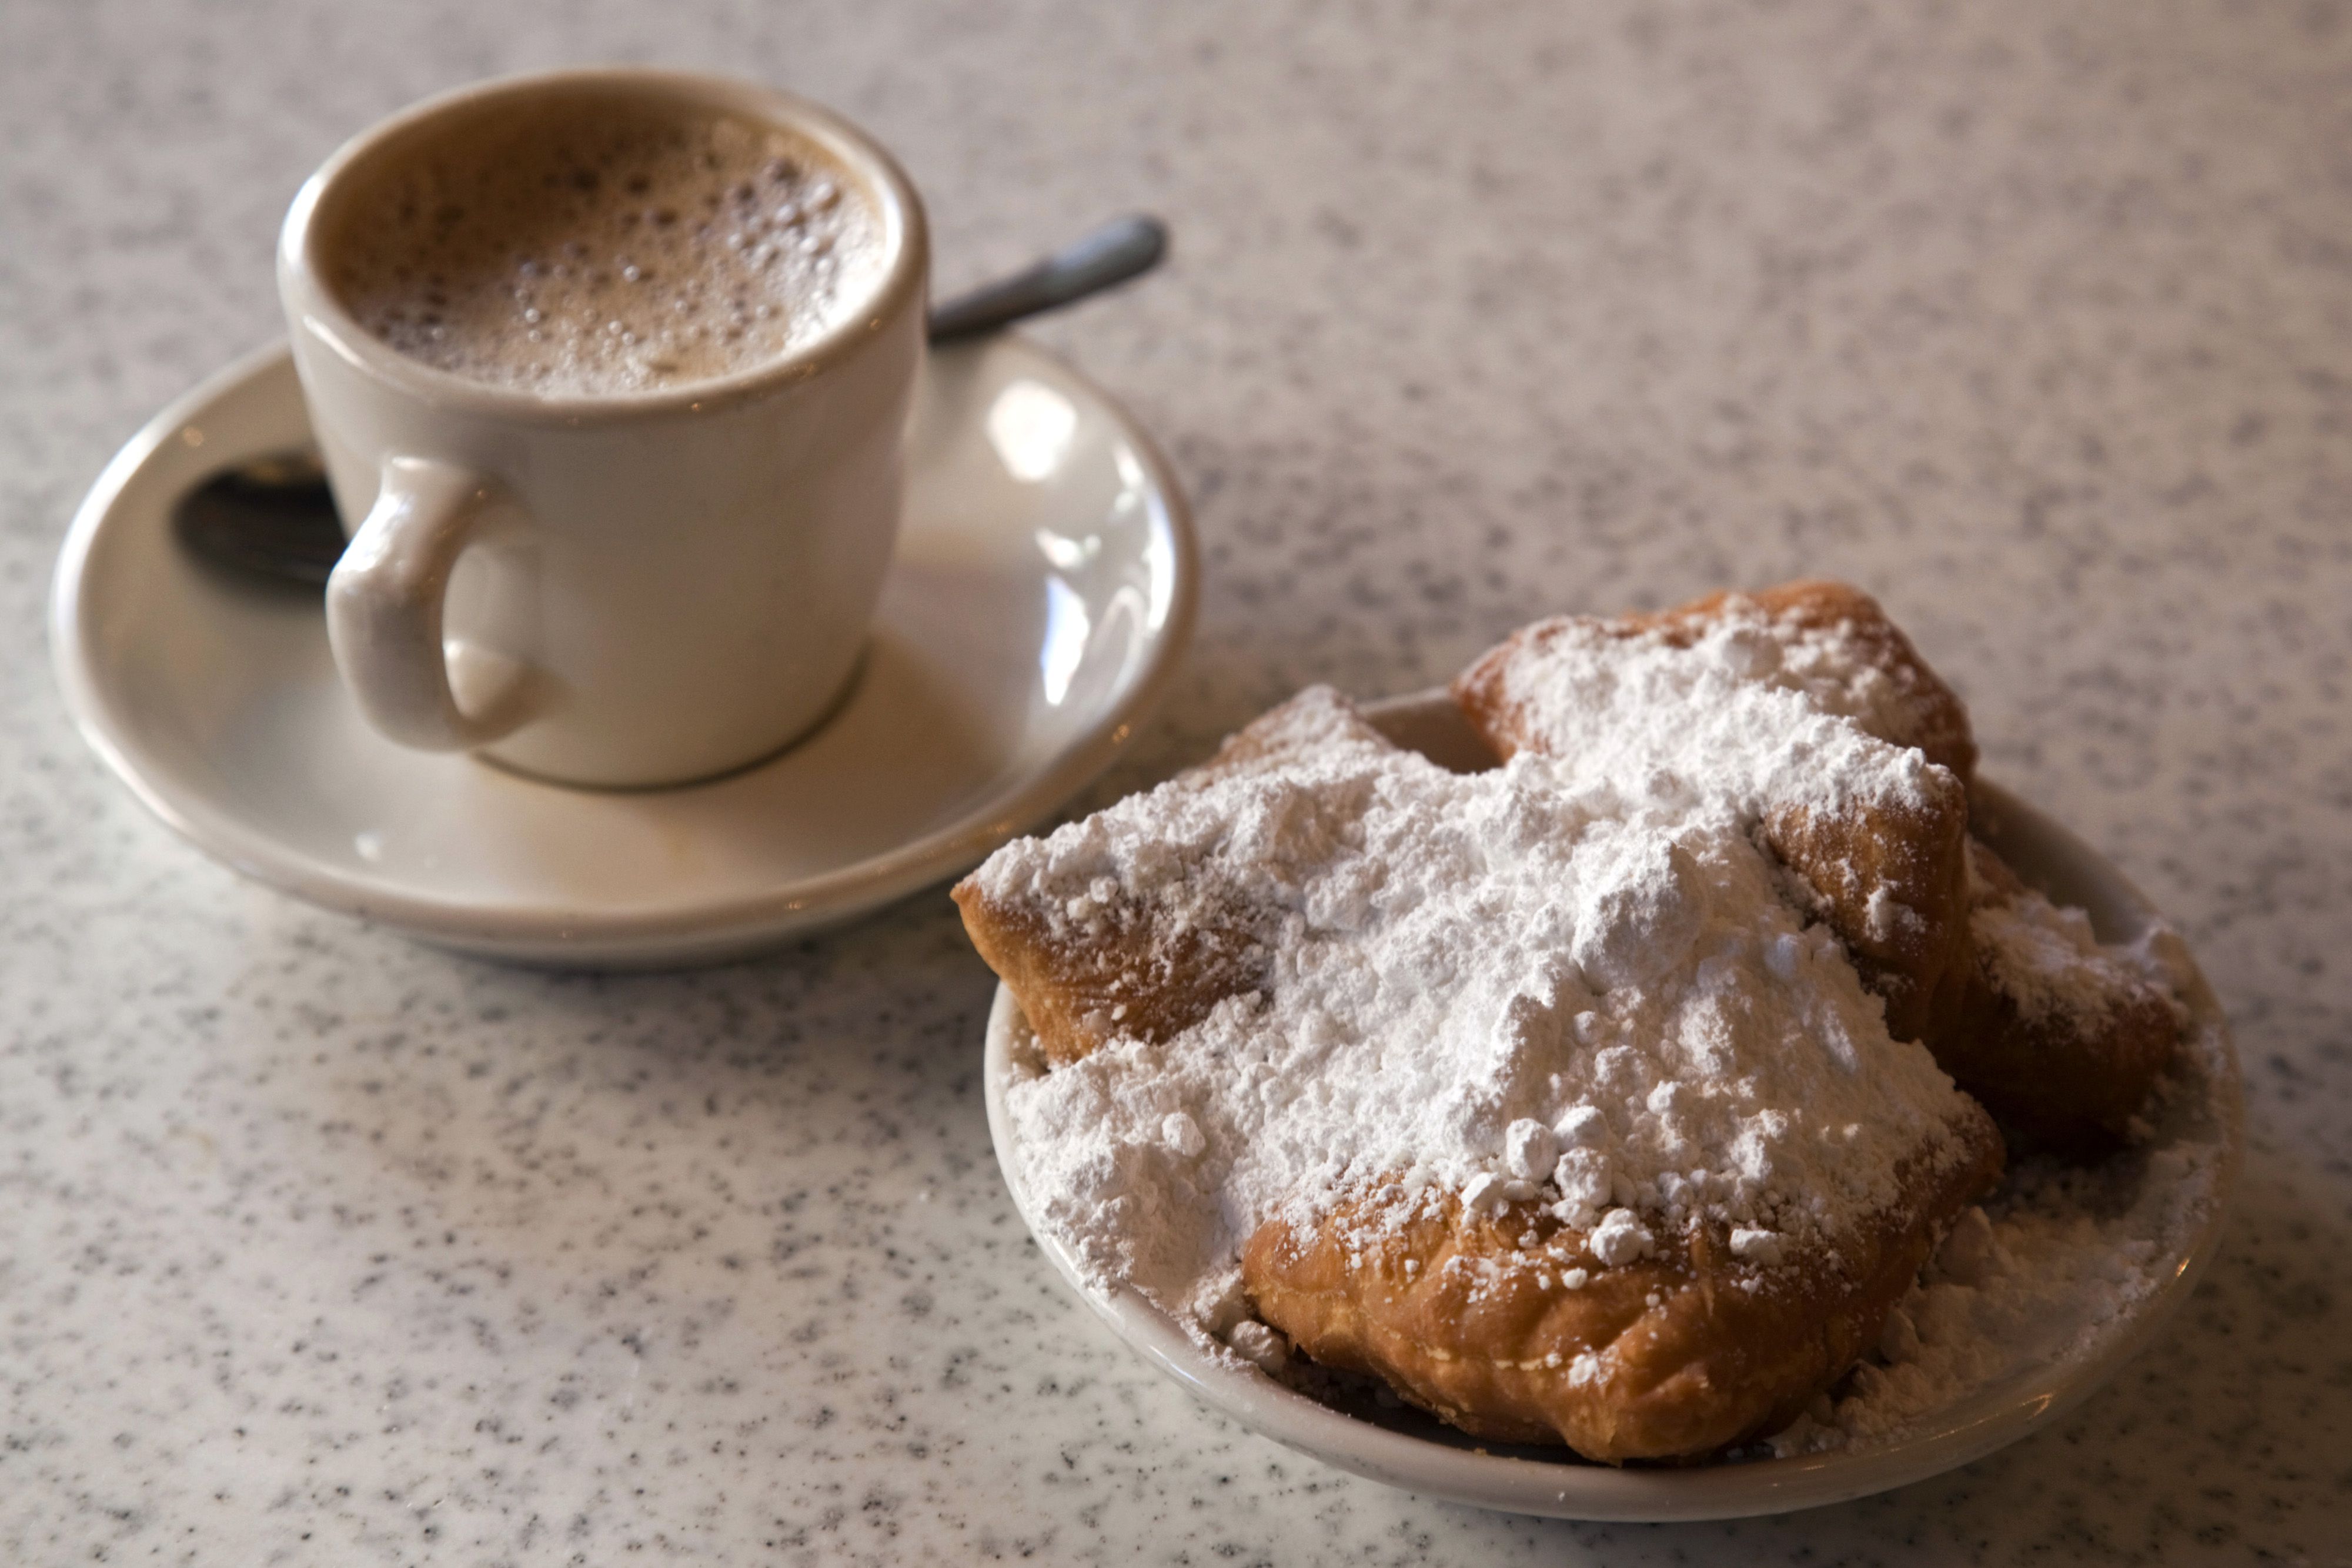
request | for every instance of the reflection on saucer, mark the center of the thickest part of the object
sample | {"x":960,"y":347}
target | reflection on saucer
{"x":1030,"y":425}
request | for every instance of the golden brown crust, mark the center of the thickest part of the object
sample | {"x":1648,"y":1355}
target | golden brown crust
{"x":1131,"y":980}
{"x":2072,"y":1078}
{"x":1672,"y":1357}
{"x":1892,"y":883}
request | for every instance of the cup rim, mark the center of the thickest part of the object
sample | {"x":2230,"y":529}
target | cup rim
{"x":315,"y":309}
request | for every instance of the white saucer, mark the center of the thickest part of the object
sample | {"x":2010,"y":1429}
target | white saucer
{"x":1042,"y":592}
{"x":2173,"y":1199}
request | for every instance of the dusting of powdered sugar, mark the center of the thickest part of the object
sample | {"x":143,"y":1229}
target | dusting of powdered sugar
{"x":1532,"y":983}
{"x":1753,"y":710}
{"x":1833,"y":668}
{"x":2047,"y":959}
{"x":2057,"y":1266}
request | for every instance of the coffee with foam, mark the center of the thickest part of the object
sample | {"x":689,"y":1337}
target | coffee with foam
{"x":609,"y":249}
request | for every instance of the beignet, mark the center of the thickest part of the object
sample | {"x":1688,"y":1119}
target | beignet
{"x":1807,"y":708}
{"x":1441,"y":1002}
{"x":1969,"y":971}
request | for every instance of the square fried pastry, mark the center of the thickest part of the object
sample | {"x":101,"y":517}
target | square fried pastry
{"x":1534,"y":1094}
{"x":1145,"y":958}
{"x":1742,"y":687}
{"x":1807,"y":704}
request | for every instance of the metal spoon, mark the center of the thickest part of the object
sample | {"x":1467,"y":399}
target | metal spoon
{"x":1121,"y":249}
{"x":272,"y":517}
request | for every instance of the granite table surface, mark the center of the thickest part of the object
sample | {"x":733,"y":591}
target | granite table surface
{"x":317,"y":1246}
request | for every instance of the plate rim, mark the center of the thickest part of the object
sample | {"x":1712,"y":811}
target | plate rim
{"x":556,"y":934}
{"x":1602,"y":1493}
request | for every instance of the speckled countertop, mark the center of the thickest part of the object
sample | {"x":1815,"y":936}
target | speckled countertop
{"x":317,"y":1246}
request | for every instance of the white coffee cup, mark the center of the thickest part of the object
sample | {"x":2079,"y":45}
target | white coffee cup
{"x":615,"y":589}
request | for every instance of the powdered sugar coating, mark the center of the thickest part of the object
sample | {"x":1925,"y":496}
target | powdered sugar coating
{"x":2048,"y":961}
{"x":1866,"y":675}
{"x":2062,"y":1257}
{"x":1745,"y":709}
{"x":1446,"y":959}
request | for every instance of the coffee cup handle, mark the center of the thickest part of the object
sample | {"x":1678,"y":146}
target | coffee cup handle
{"x":384,"y":605}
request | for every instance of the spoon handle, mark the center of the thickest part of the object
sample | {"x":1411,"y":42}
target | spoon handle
{"x":1121,"y":249}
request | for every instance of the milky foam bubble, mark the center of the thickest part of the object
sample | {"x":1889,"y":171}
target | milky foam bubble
{"x":617,"y":251}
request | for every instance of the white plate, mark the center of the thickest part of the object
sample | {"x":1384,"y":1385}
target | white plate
{"x":2040,"y":1380}
{"x":1043,"y":590}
